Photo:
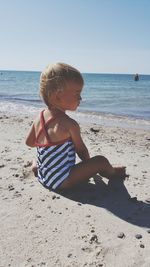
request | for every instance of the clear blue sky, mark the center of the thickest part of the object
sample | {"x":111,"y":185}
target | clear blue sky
{"x":108,"y":36}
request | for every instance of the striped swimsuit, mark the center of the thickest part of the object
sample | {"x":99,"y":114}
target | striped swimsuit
{"x":55,"y":159}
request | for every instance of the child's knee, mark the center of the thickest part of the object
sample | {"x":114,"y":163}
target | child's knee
{"x":100,"y":159}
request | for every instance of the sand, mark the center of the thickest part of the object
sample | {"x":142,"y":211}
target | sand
{"x":99,"y":224}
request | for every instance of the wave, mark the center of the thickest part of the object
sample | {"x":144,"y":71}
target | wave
{"x":16,"y":108}
{"x":26,"y":100}
{"x":12,"y":79}
{"x":109,"y":119}
{"x":22,"y":99}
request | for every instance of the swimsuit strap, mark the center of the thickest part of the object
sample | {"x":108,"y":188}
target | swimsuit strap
{"x":43,"y":124}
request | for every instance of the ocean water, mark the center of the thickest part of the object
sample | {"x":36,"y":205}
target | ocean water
{"x":107,"y":99}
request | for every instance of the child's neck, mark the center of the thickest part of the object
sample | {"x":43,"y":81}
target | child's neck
{"x":56,"y":111}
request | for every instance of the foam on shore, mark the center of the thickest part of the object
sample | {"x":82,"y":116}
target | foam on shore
{"x":84,"y":117}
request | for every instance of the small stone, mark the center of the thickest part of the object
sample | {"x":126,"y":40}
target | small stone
{"x":148,"y":231}
{"x":28,"y":164}
{"x":138,"y":236}
{"x":94,"y":130}
{"x":2,"y":166}
{"x":121,"y":235}
{"x":10,"y":187}
{"x":79,"y":204}
{"x":98,"y":253}
{"x":142,"y":246}
{"x":53,"y":196}
{"x":86,"y":249}
{"x":69,"y":255}
{"x":94,"y":238}
{"x":38,"y":216}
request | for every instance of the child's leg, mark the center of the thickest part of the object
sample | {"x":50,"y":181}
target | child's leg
{"x":86,"y":169}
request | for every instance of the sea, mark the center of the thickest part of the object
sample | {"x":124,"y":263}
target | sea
{"x":107,"y":99}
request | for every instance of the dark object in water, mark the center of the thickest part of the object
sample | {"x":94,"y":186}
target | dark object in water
{"x":136,"y":77}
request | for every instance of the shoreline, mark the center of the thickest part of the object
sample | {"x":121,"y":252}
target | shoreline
{"x":83,"y":117}
{"x":95,"y":225}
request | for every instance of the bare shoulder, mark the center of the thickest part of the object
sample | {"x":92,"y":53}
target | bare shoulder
{"x":37,"y":119}
{"x":71,"y":124}
{"x":36,"y":122}
{"x":31,"y":136}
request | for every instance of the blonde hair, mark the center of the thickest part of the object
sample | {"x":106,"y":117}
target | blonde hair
{"x":55,"y":77}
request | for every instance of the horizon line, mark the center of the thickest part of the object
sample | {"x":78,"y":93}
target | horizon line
{"x":113,"y":73}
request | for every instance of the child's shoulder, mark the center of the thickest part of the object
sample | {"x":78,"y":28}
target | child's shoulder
{"x":37,"y":119}
{"x":71,"y":123}
{"x":36,"y":122}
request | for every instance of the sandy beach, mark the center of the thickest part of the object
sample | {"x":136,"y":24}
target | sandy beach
{"x":98,"y":224}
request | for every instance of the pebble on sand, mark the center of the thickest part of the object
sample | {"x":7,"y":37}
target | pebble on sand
{"x":121,"y":235}
{"x":138,"y":236}
{"x":93,"y":238}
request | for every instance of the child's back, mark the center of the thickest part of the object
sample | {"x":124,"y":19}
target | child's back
{"x":55,"y":150}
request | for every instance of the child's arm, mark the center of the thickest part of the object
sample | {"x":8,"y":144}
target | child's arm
{"x":30,"y":139}
{"x":80,"y":147}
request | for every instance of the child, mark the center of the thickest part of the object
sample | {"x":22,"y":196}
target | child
{"x":57,"y":136}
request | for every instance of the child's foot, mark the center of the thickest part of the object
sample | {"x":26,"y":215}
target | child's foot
{"x":34,"y":168}
{"x":117,"y":179}
{"x":119,"y":172}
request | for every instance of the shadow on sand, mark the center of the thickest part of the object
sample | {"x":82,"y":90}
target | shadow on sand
{"x":113,"y":197}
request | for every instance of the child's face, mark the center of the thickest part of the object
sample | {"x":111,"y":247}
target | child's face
{"x":70,"y":97}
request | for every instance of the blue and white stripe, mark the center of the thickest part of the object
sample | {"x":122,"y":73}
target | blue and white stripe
{"x":55,"y":163}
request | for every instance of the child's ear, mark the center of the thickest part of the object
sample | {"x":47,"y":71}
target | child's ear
{"x":56,"y":97}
